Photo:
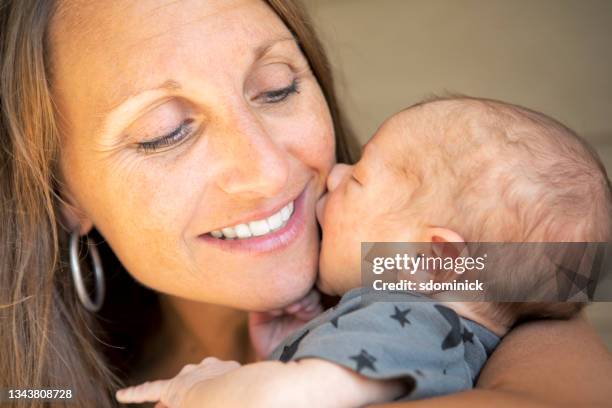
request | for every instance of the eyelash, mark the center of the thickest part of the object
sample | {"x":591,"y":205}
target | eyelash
{"x":280,"y":95}
{"x":174,"y":137}
{"x":184,"y":130}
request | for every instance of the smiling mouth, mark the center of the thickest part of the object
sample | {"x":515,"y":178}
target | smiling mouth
{"x":256,"y":228}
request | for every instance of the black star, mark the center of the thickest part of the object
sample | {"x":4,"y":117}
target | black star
{"x":400,"y":316}
{"x":419,"y":373}
{"x":467,"y":336}
{"x":453,"y":337}
{"x":334,"y":321}
{"x":289,"y":351}
{"x":364,"y":360}
{"x":570,"y":283}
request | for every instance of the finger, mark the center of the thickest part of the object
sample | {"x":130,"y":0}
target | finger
{"x":261,"y":318}
{"x":187,"y":368}
{"x":275,"y":312}
{"x":312,"y":307}
{"x":232,"y":365}
{"x":210,"y":360}
{"x":146,"y":392}
{"x":212,"y":367}
{"x":310,"y":301}
{"x":308,"y":314}
{"x":216,"y":361}
{"x":314,"y":297}
{"x":294,"y":308}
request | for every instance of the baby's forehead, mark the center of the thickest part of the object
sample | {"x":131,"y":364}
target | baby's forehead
{"x":419,"y":129}
{"x":424,"y":120}
{"x":398,"y":145}
{"x":452,"y":125}
{"x":398,"y":128}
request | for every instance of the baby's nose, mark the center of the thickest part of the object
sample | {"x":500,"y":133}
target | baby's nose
{"x":339,"y":171}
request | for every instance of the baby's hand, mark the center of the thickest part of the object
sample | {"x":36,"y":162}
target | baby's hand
{"x":268,"y":329}
{"x":172,"y":392}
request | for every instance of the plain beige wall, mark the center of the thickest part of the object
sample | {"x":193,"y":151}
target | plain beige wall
{"x":554,"y":56}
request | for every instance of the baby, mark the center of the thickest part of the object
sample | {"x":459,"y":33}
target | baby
{"x":448,"y":170}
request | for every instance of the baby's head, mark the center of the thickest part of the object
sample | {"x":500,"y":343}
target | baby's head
{"x":462,"y":169}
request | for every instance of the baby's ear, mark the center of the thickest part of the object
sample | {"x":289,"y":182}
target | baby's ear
{"x":437,"y":234}
{"x":445,"y":242}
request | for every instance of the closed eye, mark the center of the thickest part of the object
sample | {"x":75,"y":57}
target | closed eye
{"x":279,"y":95}
{"x":181,"y":133}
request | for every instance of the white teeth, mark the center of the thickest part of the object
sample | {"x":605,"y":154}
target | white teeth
{"x":286,"y":211}
{"x":242,"y":231}
{"x":228,"y":232}
{"x":258,"y":227}
{"x":275,"y":221}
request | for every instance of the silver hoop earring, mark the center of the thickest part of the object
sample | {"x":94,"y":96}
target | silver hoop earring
{"x":77,"y":276}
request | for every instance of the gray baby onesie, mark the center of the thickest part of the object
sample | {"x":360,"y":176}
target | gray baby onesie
{"x":413,"y":338}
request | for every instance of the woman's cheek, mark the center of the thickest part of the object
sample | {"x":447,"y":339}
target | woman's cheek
{"x":150,"y":222}
{"x":316,"y":141}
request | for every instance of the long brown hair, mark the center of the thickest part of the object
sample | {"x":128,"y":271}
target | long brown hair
{"x":46,"y":338}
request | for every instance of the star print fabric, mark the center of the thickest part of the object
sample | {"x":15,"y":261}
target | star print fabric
{"x":412,"y":338}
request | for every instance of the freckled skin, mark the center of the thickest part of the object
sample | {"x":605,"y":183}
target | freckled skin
{"x":246,"y":155}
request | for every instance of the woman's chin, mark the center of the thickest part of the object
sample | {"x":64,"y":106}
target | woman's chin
{"x":292,"y":278}
{"x":284,"y":294}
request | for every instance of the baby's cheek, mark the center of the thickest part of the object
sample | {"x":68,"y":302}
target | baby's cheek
{"x":320,"y":210}
{"x":344,"y":229}
{"x":334,"y":217}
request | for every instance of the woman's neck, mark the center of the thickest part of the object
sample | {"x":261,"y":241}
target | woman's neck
{"x":193,"y":330}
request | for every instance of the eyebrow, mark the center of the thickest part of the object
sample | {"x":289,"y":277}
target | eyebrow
{"x":264,"y":48}
{"x":134,"y":100}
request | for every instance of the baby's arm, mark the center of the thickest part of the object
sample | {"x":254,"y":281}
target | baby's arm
{"x":304,"y":383}
{"x":307,"y":382}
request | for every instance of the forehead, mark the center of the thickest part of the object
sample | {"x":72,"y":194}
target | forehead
{"x":400,"y":145}
{"x":391,"y":138}
{"x":103,"y":52}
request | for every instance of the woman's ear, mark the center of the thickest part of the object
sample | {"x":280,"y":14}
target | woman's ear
{"x":72,"y":216}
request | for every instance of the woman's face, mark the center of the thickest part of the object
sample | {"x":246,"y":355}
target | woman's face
{"x":186,"y":120}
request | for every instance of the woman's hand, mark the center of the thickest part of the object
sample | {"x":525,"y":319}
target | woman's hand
{"x":172,"y":393}
{"x":268,"y":329}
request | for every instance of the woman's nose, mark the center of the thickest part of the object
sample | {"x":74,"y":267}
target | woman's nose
{"x":337,"y":174}
{"x":254,"y":163}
